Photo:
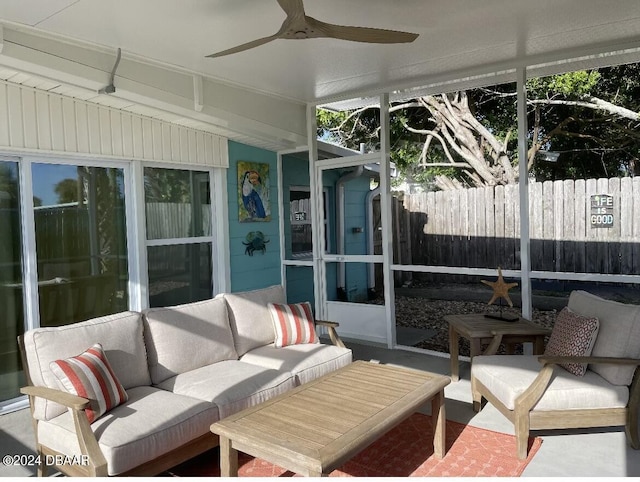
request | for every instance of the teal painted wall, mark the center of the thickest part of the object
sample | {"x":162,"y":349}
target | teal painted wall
{"x":356,"y":190}
{"x":261,"y":269}
{"x":300,"y":284}
{"x":355,"y":215}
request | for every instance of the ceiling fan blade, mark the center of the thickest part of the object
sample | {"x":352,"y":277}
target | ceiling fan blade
{"x":292,"y":8}
{"x":248,"y":45}
{"x":362,"y":34}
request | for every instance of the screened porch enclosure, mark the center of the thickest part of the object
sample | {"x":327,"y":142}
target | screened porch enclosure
{"x":449,"y":230}
{"x":149,"y":215}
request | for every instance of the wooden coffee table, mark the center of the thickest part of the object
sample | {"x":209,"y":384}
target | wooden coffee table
{"x":316,"y":427}
{"x":480,"y":330}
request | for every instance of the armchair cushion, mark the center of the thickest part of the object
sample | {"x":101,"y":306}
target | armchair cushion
{"x":508,"y":376}
{"x":572,"y":335}
{"x":293,"y":324}
{"x":89,"y":375}
{"x":618,"y":336}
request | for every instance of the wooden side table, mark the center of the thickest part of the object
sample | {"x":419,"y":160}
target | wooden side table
{"x":480,"y":330}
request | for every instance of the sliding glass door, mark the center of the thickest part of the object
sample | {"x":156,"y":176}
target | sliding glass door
{"x":11,"y":289}
{"x":81,"y":244}
{"x":69,"y":252}
{"x":72,"y":235}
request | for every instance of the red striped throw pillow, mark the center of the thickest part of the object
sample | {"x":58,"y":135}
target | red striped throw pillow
{"x":89,"y":375}
{"x":293,"y":324}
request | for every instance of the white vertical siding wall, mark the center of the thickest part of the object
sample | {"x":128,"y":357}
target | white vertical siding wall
{"x":38,"y":120}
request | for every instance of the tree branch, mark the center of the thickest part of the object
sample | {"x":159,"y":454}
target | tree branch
{"x":592,"y":103}
{"x":434,"y":134}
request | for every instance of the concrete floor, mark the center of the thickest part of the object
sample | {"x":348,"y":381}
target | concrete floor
{"x":566,"y":453}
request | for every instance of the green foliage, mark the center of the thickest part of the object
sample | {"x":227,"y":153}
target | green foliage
{"x":8,"y":184}
{"x":167,"y":185}
{"x":591,"y":141}
{"x":570,"y":85}
{"x":67,"y":191}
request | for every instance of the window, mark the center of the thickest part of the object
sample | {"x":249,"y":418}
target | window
{"x":179,"y":239}
{"x":300,"y":219}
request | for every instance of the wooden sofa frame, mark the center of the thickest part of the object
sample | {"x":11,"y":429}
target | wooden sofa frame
{"x":97,"y":464}
{"x":525,"y":418}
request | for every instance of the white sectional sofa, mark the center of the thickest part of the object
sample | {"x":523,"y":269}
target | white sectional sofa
{"x":183,"y":368}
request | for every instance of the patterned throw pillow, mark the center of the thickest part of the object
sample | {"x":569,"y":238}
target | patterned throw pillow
{"x":293,"y":324}
{"x":572,"y":335}
{"x":89,"y":375}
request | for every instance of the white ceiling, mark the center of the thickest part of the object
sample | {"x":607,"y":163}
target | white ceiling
{"x":455,"y":36}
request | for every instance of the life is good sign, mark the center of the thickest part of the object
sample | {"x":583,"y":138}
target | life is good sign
{"x":601,"y":211}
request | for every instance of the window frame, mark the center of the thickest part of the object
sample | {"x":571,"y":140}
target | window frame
{"x":308,"y":255}
{"x":218,"y":282}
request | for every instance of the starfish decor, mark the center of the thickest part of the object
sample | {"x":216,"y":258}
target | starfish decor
{"x":500,"y":288}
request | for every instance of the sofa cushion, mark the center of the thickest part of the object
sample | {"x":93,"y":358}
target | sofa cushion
{"x":572,"y":335}
{"x":231,"y":385}
{"x":185,"y":337}
{"x":250,"y":319}
{"x":89,"y":375}
{"x":151,"y":423}
{"x":618,"y":335}
{"x":120,"y":336}
{"x":293,"y":324}
{"x":508,"y":376}
{"x":306,"y":362}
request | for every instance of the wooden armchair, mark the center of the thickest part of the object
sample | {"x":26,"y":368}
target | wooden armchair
{"x":537,"y":393}
{"x":522,"y":410}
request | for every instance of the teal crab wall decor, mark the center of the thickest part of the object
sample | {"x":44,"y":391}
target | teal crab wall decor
{"x":255,"y":241}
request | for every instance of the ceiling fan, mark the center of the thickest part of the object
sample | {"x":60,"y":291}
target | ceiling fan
{"x":298,"y":25}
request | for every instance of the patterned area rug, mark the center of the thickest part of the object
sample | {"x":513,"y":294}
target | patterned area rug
{"x":405,"y":451}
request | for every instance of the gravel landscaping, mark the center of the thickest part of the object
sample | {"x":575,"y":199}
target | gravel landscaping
{"x":423,"y":306}
{"x":424,"y":313}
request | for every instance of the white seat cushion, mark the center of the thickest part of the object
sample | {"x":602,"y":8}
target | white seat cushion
{"x":508,"y":376}
{"x":231,"y":385}
{"x":306,"y":361}
{"x":151,"y":423}
{"x":185,"y":337}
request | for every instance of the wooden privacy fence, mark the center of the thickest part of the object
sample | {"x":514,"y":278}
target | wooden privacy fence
{"x":590,"y":226}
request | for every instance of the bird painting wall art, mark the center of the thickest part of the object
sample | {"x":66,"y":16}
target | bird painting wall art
{"x":253,"y":192}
